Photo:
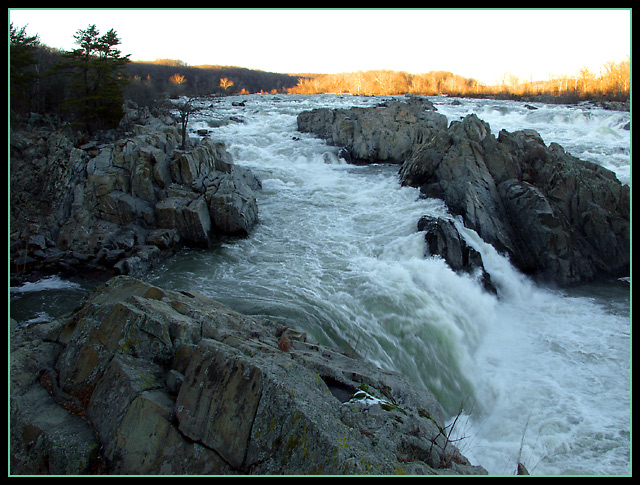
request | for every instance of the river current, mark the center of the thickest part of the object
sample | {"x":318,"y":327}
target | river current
{"x":539,"y":375}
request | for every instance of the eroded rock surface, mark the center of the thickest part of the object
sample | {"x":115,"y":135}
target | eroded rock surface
{"x":120,"y":206}
{"x":141,"y":380}
{"x":558,"y":218}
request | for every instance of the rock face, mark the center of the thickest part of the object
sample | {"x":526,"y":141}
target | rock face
{"x":442,"y":238}
{"x":381,"y":134}
{"x":141,"y":380}
{"x":558,"y":218}
{"x":121,"y":205}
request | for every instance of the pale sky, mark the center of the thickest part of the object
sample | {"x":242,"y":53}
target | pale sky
{"x":482,"y":44}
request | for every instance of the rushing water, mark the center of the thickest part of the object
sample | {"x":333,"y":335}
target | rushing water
{"x":543,"y":374}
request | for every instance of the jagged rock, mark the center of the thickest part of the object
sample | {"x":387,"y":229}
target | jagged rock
{"x":463,"y":180}
{"x":138,"y":185}
{"x":381,"y":134}
{"x":573,"y":215}
{"x":142,"y":380}
{"x":196,"y":165}
{"x":232,"y":204}
{"x":189,"y":218}
{"x":164,"y":239}
{"x":558,"y":218}
{"x":443,"y":239}
{"x":44,"y":168}
{"x":52,"y":440}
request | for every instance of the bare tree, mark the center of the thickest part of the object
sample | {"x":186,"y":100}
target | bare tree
{"x":185,"y":108}
{"x":225,"y":83}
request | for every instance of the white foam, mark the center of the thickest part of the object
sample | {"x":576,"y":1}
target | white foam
{"x":588,"y":132}
{"x":49,"y":283}
{"x":337,"y":253}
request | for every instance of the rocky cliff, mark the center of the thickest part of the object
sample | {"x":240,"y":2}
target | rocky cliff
{"x":118,"y":206}
{"x":141,"y":380}
{"x":558,"y":218}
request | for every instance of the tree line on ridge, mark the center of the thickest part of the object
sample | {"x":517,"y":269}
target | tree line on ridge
{"x":88,"y":85}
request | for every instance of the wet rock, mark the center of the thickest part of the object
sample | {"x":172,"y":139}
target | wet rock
{"x":143,"y":380}
{"x":442,"y":238}
{"x":558,"y":218}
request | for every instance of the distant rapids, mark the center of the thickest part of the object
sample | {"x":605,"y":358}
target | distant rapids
{"x":542,"y":375}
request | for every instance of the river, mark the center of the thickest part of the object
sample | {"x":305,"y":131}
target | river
{"x":539,"y":375}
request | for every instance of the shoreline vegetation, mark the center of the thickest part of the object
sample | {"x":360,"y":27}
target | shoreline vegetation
{"x":44,"y":80}
{"x":610,"y":88}
{"x":612,"y":84}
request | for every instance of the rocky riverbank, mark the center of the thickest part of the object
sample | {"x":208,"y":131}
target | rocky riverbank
{"x":560,"y":219}
{"x":115,"y":208}
{"x":141,"y":380}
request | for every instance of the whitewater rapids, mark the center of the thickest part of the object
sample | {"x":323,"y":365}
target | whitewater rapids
{"x":542,"y":375}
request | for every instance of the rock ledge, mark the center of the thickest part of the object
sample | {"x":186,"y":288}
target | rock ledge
{"x":141,"y":380}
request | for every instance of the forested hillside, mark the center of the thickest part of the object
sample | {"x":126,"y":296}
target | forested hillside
{"x":613,"y":82}
{"x":173,"y":76}
{"x":86,"y":86}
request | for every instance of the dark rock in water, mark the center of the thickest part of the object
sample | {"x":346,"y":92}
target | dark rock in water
{"x":558,"y":218}
{"x":443,"y":239}
{"x":141,"y":380}
{"x":571,"y":218}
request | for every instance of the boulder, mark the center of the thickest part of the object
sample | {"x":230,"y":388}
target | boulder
{"x":558,"y":218}
{"x":232,"y":204}
{"x":137,"y":185}
{"x":542,"y":242}
{"x":443,"y":239}
{"x":380,"y":134}
{"x":188,"y":217}
{"x":462,"y":178}
{"x":196,"y":165}
{"x":573,"y":215}
{"x":142,"y":380}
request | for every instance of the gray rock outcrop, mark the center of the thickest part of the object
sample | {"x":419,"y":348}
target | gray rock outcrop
{"x":558,"y":218}
{"x":443,"y":239}
{"x":141,"y":380}
{"x":122,"y":205}
{"x":380,"y":134}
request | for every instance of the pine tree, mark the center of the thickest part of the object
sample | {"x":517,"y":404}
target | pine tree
{"x":22,"y":68}
{"x":96,"y":82}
